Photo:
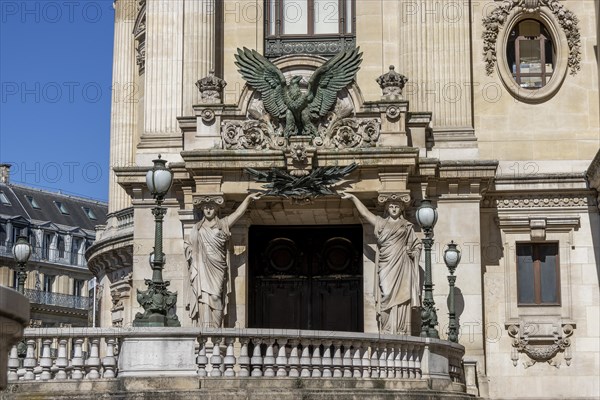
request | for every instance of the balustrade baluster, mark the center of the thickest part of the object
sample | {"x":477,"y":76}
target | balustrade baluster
{"x":417,"y":351}
{"x":326,"y":360}
{"x":92,"y":364}
{"x":316,"y":361}
{"x":374,"y":360}
{"x":398,"y":360}
{"x":411,"y":362}
{"x":404,"y":361}
{"x":243,"y":359}
{"x":202,"y":359}
{"x":62,"y":362}
{"x":216,"y":359}
{"x":294,"y":360}
{"x":339,"y":362}
{"x":269,"y":359}
{"x":109,"y":362}
{"x":282,"y":361}
{"x":305,"y":359}
{"x":383,"y":361}
{"x":357,"y":360}
{"x":30,"y":361}
{"x":391,"y":371}
{"x":257,"y":360}
{"x":77,"y":362}
{"x":13,"y":364}
{"x":366,"y":360}
{"x":229,"y":360}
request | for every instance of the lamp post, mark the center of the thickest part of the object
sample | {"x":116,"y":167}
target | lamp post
{"x":157,"y":300}
{"x":427,"y":217}
{"x":21,"y":253}
{"x":452,"y":258}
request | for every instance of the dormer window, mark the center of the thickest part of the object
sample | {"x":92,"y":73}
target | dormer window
{"x":4,"y":200}
{"x":323,"y":27}
{"x":88,"y":211}
{"x":33,"y":202}
{"x":61,"y":207}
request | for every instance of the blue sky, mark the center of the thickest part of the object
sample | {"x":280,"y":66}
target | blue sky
{"x":55,"y":77}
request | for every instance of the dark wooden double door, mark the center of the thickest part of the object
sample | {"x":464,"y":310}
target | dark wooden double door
{"x":306,"y":277}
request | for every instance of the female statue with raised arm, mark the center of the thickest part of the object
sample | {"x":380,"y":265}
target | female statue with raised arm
{"x":208,"y":264}
{"x":397,"y":265}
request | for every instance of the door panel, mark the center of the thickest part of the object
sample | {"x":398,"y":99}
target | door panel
{"x":306,"y":277}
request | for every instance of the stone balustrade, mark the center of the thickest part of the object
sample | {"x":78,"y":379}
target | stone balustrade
{"x":93,"y":353}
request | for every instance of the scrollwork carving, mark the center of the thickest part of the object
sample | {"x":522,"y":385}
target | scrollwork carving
{"x":539,"y":350}
{"x":250,"y":134}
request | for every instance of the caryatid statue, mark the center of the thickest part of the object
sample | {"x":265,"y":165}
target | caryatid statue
{"x":208,"y":263}
{"x":397,"y":265}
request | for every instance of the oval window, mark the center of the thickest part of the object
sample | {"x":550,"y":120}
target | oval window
{"x":530,"y":54}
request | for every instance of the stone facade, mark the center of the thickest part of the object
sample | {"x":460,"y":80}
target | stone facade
{"x":504,"y":166}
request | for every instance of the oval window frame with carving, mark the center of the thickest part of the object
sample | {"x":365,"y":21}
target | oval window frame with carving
{"x":561,"y":48}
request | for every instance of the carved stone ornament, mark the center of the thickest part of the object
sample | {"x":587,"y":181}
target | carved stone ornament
{"x":540,"y":350}
{"x":139,"y":34}
{"x":494,"y":22}
{"x":285,"y":101}
{"x":392,"y":83}
{"x":538,"y":201}
{"x":211,"y":88}
{"x":338,"y":131}
{"x":216,"y":199}
{"x":402,"y":198}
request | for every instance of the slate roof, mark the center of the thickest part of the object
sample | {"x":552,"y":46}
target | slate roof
{"x":48,"y":211}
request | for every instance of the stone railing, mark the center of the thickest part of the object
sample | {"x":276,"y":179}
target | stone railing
{"x":124,"y":217}
{"x":92,"y":353}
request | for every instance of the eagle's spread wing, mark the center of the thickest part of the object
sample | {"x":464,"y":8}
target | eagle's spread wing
{"x":330,"y":78}
{"x":264,"y":77}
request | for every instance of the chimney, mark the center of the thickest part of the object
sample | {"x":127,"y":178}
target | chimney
{"x":5,"y":173}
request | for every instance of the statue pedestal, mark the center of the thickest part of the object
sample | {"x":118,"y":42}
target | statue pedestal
{"x":157,"y":356}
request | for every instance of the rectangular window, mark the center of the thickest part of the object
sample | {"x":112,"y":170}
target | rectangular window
{"x":4,"y":200}
{"x":322,"y":27}
{"x":61,"y":207}
{"x":78,"y":287}
{"x":538,"y":277}
{"x":88,"y":211}
{"x":32,"y":202}
{"x":48,"y":283}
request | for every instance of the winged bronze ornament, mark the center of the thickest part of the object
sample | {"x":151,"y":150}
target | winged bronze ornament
{"x":286,"y":101}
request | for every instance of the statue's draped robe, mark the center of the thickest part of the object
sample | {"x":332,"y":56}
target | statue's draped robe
{"x":206,"y":251}
{"x":397,"y":280}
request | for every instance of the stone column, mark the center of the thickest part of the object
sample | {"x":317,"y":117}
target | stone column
{"x":199,"y":48}
{"x":164,"y":72}
{"x":123,"y":108}
{"x":434,"y":53}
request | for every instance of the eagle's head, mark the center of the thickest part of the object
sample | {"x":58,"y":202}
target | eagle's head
{"x":296,"y":80}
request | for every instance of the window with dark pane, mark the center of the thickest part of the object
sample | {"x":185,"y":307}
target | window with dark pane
{"x":323,"y":27}
{"x":538,"y":280}
{"x":530,"y":54}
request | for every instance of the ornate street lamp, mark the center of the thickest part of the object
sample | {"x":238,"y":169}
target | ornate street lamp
{"x":157,"y":300}
{"x":427,"y":217}
{"x":21,"y":253}
{"x":452,"y":258}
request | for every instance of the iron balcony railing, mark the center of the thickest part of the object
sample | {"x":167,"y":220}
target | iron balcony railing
{"x":58,"y":299}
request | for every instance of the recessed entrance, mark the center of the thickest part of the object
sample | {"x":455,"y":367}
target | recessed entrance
{"x":306,"y":277}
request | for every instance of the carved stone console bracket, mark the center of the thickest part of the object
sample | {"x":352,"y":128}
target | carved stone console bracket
{"x":208,"y":198}
{"x":541,"y":342}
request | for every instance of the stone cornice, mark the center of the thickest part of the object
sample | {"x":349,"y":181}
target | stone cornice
{"x":593,"y":173}
{"x":542,"y":200}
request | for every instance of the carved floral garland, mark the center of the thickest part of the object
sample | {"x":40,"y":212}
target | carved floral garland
{"x":567,"y":19}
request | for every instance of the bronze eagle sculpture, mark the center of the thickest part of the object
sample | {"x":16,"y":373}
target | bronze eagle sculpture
{"x":287,"y":101}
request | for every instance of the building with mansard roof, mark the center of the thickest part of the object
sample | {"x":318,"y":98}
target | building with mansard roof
{"x":59,"y":228}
